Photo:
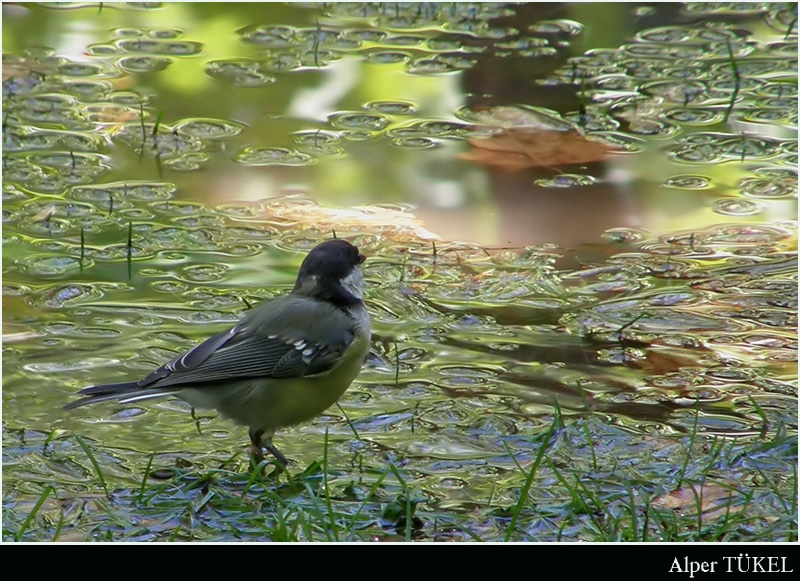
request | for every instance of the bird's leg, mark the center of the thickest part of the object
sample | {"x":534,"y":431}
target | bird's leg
{"x":261,"y":440}
{"x":196,"y":421}
{"x":283,"y":460}
{"x":256,"y":450}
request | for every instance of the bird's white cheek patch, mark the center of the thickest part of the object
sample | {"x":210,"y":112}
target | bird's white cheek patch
{"x":354,"y":283}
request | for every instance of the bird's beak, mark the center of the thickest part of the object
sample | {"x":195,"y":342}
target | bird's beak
{"x":361,"y":258}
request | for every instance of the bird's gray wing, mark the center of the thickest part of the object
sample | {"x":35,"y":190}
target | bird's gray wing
{"x":289,"y":338}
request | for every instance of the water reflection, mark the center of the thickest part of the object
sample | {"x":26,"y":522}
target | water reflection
{"x":166,"y":168}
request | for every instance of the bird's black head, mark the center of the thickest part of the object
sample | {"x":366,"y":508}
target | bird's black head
{"x":331,"y":272}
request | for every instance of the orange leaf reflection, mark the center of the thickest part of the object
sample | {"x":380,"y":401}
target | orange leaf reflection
{"x":517,"y":149}
{"x":714,"y":500}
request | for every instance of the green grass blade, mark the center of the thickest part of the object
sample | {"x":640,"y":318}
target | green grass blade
{"x":94,"y":462}
{"x":45,"y":493}
{"x":523,"y":494}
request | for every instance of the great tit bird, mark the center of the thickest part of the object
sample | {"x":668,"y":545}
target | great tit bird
{"x":285,"y":362}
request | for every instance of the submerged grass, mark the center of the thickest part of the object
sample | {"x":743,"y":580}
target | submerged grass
{"x":20,"y":533}
{"x":93,"y":460}
{"x":523,"y":495}
{"x":561,"y":495}
{"x":737,"y":81}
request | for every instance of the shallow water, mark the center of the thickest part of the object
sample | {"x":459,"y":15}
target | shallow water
{"x":166,"y":167}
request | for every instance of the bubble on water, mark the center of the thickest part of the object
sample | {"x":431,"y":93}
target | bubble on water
{"x":445,"y":43}
{"x":318,"y":58}
{"x":777,"y":102}
{"x":17,"y":169}
{"x":260,"y":156}
{"x":143,"y":64}
{"x":129,"y":214}
{"x":161,"y":47}
{"x":413,"y":142}
{"x":403,"y":40}
{"x":58,"y":265}
{"x":87,"y":70}
{"x":456,"y":60}
{"x":687,"y":182}
{"x":201,"y":221}
{"x":126,"y":99}
{"x":593,"y":122}
{"x":242,"y":249}
{"x":210,"y":128}
{"x":440,"y":129}
{"x":244,"y":73}
{"x":69,"y":161}
{"x":566,"y":181}
{"x":119,"y":252}
{"x":357,"y":120}
{"x":558,"y":27}
{"x":621,"y":142}
{"x":25,"y":138}
{"x":777,"y":173}
{"x":187,"y":162}
{"x":778,"y":90}
{"x":13,"y":194}
{"x":179,"y":208}
{"x":358,"y":135}
{"x":164,"y":142}
{"x":430,"y":66}
{"x":749,"y":147}
{"x":719,"y":34}
{"x":271,"y":36}
{"x":516,"y":116}
{"x":169,"y":286}
{"x":316,"y":138}
{"x":387,"y":57}
{"x":665,"y":34}
{"x":789,"y":146}
{"x":165,"y":33}
{"x":782,"y":18}
{"x":611,"y":85}
{"x":260,"y":232}
{"x":766,"y":188}
{"x":319,"y":35}
{"x":664,"y":51}
{"x":641,"y":11}
{"x":203,"y":272}
{"x":128,"y":32}
{"x":694,"y":116}
{"x":375,"y":36}
{"x":771,"y":116}
{"x":753,"y":71}
{"x":736,"y":207}
{"x":239,"y":210}
{"x":68,"y":295}
{"x":175,"y":237}
{"x":110,"y":113}
{"x":694,"y":153}
{"x":86,"y":89}
{"x":652,"y":127}
{"x":391,"y":107}
{"x":624,"y":235}
{"x":115,"y":192}
{"x":102,"y":49}
{"x":52,"y":246}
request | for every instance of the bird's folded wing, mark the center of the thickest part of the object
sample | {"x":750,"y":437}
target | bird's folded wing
{"x":250,"y":350}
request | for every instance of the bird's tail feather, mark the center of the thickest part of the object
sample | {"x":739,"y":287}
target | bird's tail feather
{"x":125,"y":392}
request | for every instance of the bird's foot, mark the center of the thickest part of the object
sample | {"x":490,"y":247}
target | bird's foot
{"x":262,"y":440}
